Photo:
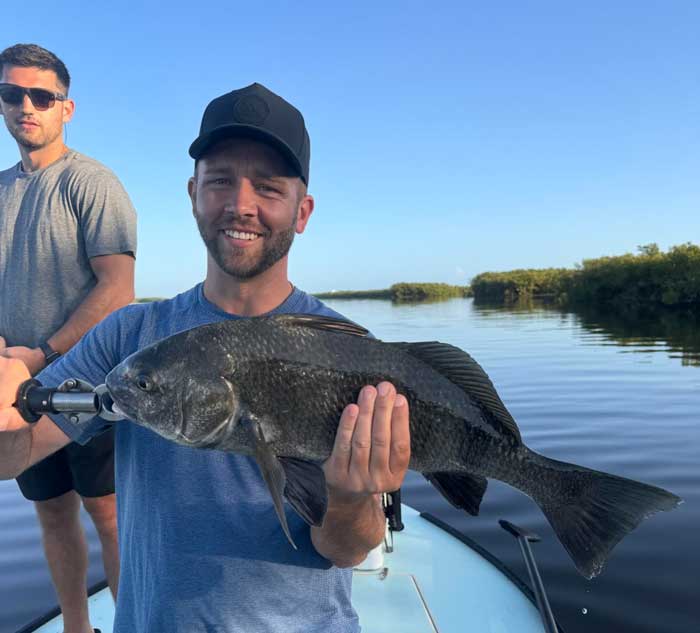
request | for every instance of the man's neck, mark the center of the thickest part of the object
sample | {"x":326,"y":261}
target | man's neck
{"x":33,"y":160}
{"x":250,"y":297}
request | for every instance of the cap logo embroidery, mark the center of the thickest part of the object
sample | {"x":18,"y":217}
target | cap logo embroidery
{"x":251,"y":110}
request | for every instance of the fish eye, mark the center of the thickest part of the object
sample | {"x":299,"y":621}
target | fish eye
{"x":144,"y":382}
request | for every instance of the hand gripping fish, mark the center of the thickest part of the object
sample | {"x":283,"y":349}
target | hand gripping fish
{"x":274,"y":388}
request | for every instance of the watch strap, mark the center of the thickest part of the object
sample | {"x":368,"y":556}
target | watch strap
{"x":50,"y":354}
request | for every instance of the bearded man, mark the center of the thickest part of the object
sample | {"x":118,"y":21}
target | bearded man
{"x":201,"y":548}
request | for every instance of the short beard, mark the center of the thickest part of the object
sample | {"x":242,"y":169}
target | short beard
{"x":275,"y":249}
{"x":27,"y":144}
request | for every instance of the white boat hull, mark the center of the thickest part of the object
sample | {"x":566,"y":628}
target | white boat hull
{"x":431,"y":582}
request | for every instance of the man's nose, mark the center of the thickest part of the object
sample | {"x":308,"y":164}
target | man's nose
{"x":27,"y":106}
{"x":244,"y":198}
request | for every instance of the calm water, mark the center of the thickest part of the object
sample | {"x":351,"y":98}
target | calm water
{"x":618,"y":393}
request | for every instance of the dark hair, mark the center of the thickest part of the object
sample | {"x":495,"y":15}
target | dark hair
{"x":33,"y":56}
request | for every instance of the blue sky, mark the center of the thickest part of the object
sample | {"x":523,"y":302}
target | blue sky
{"x":447,"y":138}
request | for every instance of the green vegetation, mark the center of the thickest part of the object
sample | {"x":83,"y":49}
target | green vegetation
{"x":147,"y":299}
{"x":355,"y":294}
{"x":649,"y":277}
{"x":425,"y":292}
{"x":518,"y":284}
{"x":403,"y":292}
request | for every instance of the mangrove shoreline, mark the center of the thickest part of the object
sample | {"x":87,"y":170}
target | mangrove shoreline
{"x":646,"y":279}
{"x":649,"y":278}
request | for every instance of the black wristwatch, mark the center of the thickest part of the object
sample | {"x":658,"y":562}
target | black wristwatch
{"x":50,"y":354}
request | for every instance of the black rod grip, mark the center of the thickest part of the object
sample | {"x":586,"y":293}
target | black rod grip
{"x":33,"y":400}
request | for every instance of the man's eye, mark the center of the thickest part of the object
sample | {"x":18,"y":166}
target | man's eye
{"x":266,"y":188}
{"x":219,"y":181}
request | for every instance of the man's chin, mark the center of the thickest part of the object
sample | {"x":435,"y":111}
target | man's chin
{"x":242,"y":273}
{"x":27,"y":143}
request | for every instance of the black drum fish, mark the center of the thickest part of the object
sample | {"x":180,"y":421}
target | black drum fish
{"x":274,"y":387}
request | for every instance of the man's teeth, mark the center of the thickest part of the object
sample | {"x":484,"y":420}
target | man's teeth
{"x":239,"y":235}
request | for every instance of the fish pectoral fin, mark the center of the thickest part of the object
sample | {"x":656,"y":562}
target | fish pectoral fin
{"x":275,"y":478}
{"x":462,"y":490}
{"x":305,"y":489}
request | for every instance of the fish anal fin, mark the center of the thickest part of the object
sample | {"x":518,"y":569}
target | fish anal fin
{"x":305,"y":489}
{"x":462,"y":490}
{"x":463,"y":371}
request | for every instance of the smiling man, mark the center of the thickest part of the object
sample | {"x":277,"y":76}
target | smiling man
{"x":67,"y":245}
{"x":248,"y":206}
{"x":201,"y":545}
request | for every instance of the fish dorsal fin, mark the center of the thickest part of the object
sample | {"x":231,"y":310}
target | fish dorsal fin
{"x":329,"y":324}
{"x":462,"y":370}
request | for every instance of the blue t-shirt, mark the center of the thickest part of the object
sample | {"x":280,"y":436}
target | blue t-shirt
{"x":201,"y":547}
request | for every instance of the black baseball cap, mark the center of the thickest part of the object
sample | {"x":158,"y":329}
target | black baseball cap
{"x":258,"y":113}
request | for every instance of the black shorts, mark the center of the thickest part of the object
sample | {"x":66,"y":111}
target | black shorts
{"x":89,"y":470}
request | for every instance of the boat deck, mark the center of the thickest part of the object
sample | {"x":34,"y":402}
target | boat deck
{"x":432,"y":582}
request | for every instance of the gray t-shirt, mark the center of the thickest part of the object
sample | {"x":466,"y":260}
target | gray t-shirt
{"x":52,"y":221}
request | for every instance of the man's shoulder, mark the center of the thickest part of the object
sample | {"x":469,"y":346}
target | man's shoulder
{"x":82,"y":165}
{"x":174,"y":313}
{"x":164,"y":307}
{"x":306,"y":303}
{"x":145,"y":321}
{"x":9,"y":175}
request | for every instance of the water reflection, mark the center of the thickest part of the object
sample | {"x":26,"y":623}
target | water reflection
{"x":643,"y":331}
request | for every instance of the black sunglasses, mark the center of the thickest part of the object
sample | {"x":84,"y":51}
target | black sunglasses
{"x":42,"y":99}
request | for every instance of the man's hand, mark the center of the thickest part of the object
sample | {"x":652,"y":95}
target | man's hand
{"x":22,"y":444}
{"x":372,"y":446}
{"x":33,"y":358}
{"x":370,"y":456}
{"x":12,"y":374}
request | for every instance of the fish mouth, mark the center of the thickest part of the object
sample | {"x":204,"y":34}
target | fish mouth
{"x":119,"y":408}
{"x":119,"y":392}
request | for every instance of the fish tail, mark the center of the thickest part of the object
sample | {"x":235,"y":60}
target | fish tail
{"x":591,"y":511}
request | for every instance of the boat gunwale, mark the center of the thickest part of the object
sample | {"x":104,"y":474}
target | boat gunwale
{"x":486,"y":554}
{"x":56,"y":611}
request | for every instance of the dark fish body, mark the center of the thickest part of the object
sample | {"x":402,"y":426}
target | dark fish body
{"x":274,"y":388}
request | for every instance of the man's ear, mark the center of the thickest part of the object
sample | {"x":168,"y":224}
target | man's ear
{"x":192,"y":193}
{"x":304,"y":211}
{"x":68,"y":110}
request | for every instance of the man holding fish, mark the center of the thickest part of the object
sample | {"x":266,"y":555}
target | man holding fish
{"x":201,"y":547}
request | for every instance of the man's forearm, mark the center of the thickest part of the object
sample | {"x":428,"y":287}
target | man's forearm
{"x":22,"y":444}
{"x":103,"y":299}
{"x":15,"y":447}
{"x":350,"y":531}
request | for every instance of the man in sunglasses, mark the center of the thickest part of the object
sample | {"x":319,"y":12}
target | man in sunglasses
{"x":201,"y":546}
{"x":67,"y":247}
